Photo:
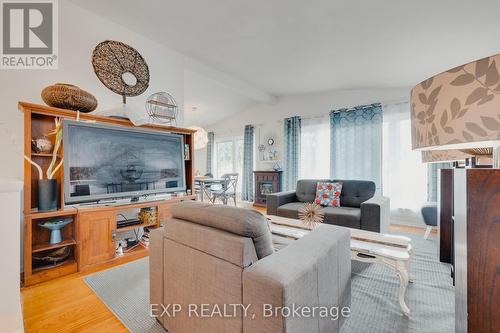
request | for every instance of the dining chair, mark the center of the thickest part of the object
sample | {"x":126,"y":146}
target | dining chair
{"x":197,"y":187}
{"x":227,"y":189}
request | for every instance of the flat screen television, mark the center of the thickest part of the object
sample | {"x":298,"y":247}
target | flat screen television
{"x":108,"y":162}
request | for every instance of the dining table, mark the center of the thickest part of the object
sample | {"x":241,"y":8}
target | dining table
{"x":205,"y":185}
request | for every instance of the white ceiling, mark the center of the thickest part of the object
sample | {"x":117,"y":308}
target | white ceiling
{"x":213,"y":101}
{"x":292,"y":46}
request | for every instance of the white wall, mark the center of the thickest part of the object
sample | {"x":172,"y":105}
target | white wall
{"x":10,"y":306}
{"x":79,"y":32}
{"x":268,"y":117}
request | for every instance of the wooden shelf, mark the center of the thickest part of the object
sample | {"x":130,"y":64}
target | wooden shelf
{"x":46,"y":246}
{"x":67,"y":267}
{"x":35,"y":214}
{"x":43,"y":155}
{"x":135,"y":226}
{"x":138,"y":251}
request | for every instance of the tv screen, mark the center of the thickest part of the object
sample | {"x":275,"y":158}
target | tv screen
{"x":107,"y":162}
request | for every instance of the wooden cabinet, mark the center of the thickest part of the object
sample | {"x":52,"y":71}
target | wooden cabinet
{"x":476,"y":238}
{"x":95,"y":237}
{"x":90,"y":236}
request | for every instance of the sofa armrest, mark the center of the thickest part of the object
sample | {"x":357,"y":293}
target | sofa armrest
{"x":156,"y":269}
{"x":312,"y":271}
{"x":375,"y":214}
{"x":275,"y":200}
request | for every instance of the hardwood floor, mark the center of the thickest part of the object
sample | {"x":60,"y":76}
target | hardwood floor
{"x":67,"y":304}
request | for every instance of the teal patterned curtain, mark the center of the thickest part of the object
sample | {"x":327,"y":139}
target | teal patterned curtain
{"x":432,"y":179}
{"x":356,"y":144}
{"x":291,"y":152}
{"x":210,"y":151}
{"x":247,"y":177}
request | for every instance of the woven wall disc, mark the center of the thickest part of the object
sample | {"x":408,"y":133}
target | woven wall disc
{"x":111,"y":59}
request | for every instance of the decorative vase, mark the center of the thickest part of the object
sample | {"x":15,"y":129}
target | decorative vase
{"x":47,"y":195}
{"x":68,"y":96}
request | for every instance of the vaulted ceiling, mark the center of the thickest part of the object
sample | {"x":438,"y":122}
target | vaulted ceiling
{"x":297,"y":46}
{"x":285,"y":47}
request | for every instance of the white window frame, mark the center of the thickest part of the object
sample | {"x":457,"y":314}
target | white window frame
{"x":233,"y":141}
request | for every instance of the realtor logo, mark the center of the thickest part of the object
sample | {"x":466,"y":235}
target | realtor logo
{"x":29,"y":34}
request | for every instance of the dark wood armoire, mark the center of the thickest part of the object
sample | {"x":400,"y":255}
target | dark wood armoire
{"x":476,"y":247}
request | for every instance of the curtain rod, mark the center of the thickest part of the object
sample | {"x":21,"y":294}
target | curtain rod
{"x":385,"y":104}
{"x":317,"y":116}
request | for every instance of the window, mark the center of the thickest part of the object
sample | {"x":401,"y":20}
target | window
{"x":315,"y":148}
{"x":229,"y":158}
{"x":404,"y":174}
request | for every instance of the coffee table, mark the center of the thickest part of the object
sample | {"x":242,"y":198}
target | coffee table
{"x":392,"y":251}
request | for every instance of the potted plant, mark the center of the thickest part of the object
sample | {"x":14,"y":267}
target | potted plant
{"x":47,"y":188}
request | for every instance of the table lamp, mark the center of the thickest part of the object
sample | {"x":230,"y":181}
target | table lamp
{"x":442,"y":156}
{"x":459,"y":109}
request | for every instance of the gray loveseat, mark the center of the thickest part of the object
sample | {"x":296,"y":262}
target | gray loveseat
{"x":360,"y":208}
{"x":220,"y":255}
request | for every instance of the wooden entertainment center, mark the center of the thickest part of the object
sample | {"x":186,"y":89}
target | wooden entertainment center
{"x":91,"y":235}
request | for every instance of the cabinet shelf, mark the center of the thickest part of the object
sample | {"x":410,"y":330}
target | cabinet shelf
{"x":43,"y":155}
{"x":46,"y":246}
{"x":135,"y":226}
{"x":35,"y":214}
{"x":69,"y":266}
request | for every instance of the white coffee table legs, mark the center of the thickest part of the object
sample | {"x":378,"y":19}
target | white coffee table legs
{"x":400,"y":266}
{"x":404,"y":278}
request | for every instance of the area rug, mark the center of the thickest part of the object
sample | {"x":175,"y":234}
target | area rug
{"x":374,"y":305}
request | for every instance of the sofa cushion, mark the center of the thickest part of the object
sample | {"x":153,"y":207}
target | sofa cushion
{"x":290,"y":210}
{"x":240,"y":221}
{"x":328,"y":194}
{"x":306,"y":189}
{"x":355,"y":192}
{"x":344,"y":216}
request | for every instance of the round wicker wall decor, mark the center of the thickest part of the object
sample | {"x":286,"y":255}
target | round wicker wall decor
{"x":120,"y":68}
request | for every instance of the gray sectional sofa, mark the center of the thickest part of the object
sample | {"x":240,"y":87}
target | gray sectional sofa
{"x":220,"y":255}
{"x":359,"y":209}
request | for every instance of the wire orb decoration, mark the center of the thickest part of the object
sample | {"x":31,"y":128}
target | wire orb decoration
{"x":162,"y":107}
{"x":120,"y":68}
{"x":311,"y":215}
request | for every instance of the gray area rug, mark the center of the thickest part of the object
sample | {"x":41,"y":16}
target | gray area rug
{"x":374,"y":306}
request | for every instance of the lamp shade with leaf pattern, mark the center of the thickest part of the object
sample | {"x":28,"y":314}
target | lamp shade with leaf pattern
{"x":439,"y":156}
{"x":459,"y":108}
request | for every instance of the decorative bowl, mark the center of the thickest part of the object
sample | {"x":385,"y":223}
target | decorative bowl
{"x":41,"y":145}
{"x":68,"y":96}
{"x":55,"y":228}
{"x":53,"y":257}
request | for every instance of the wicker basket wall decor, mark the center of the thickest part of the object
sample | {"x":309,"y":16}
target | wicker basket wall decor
{"x":113,"y":61}
{"x":68,"y":96}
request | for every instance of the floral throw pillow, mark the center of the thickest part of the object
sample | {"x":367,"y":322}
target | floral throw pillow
{"x":328,"y":194}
